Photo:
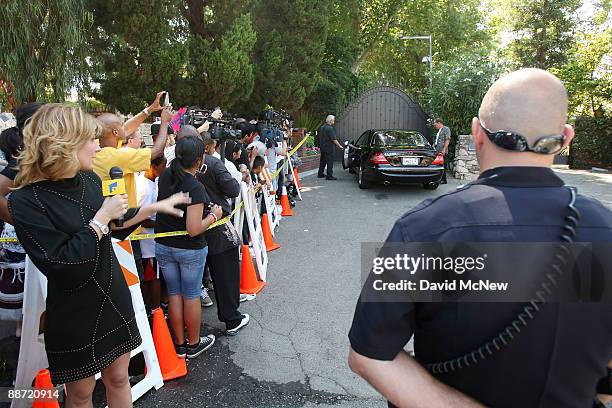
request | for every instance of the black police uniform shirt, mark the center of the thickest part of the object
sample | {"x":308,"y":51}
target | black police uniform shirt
{"x":169,"y":223}
{"x":557,"y":360}
{"x":327,"y":135}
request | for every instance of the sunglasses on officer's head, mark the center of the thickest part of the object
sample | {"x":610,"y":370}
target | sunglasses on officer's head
{"x":518,"y":143}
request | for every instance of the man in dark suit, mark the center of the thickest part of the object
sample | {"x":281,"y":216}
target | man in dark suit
{"x":327,"y":140}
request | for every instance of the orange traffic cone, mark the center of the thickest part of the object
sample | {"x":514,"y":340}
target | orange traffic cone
{"x":297,"y":178}
{"x":43,"y":382}
{"x":267,"y":233}
{"x":171,"y":365}
{"x":248,"y":277}
{"x":285,"y":204}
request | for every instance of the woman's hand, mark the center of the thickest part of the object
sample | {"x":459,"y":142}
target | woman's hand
{"x":112,"y":208}
{"x":217,"y":210}
{"x":167,"y":206}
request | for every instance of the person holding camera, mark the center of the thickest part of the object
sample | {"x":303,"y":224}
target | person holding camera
{"x":130,"y":161}
{"x":276,"y":145}
{"x":223,"y":241}
{"x":182,"y":258}
{"x":242,"y":142}
{"x":63,"y":222}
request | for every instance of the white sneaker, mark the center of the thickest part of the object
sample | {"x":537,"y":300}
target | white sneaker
{"x":243,"y":323}
{"x":205,"y":299}
{"x":247,"y":296}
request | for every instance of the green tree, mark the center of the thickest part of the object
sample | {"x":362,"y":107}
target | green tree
{"x":137,"y":49}
{"x":541,"y":31}
{"x":588,"y":72}
{"x":336,"y":81}
{"x":291,"y":38}
{"x":222,"y":74}
{"x":455,"y":26}
{"x":43,"y":48}
{"x":459,"y":88}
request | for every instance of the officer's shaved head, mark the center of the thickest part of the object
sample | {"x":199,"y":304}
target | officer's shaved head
{"x":530,"y":102}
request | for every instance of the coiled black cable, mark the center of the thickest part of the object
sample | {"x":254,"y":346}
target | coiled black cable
{"x":529,"y":310}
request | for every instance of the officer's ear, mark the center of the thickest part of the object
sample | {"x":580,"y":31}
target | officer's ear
{"x":477,"y":133}
{"x":568,"y":132}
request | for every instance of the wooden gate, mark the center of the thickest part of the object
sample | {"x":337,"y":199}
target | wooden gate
{"x":382,"y":107}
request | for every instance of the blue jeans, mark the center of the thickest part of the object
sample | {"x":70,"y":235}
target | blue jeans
{"x":182,"y":269}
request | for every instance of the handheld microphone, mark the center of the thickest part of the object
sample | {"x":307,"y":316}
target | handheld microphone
{"x":114,"y":186}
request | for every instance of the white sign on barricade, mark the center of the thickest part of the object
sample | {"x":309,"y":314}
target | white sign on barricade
{"x":273,"y":211}
{"x":32,"y":356}
{"x":298,"y":189}
{"x":254,"y":222}
{"x":238,"y":218}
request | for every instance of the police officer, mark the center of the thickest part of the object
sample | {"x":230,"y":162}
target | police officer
{"x":558,"y":358}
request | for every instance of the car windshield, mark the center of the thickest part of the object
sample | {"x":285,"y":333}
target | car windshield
{"x":400,"y":138}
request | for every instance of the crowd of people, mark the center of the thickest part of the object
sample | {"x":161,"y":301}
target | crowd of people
{"x":54,"y":161}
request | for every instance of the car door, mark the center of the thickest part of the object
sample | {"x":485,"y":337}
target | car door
{"x":360,"y":148}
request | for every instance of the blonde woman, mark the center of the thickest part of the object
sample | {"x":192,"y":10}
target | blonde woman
{"x":62,"y":220}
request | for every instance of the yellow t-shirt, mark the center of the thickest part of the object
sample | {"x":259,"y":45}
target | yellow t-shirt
{"x":129,"y":160}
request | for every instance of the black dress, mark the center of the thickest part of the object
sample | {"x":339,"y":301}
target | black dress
{"x":89,"y":320}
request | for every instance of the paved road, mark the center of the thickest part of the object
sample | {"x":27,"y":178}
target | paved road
{"x":293,"y":354}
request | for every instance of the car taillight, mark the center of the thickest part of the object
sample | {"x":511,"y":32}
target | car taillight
{"x":379,"y":158}
{"x":439,"y":160}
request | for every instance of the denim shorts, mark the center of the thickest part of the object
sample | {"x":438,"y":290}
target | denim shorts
{"x":182,"y":269}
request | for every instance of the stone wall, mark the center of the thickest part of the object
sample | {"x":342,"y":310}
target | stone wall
{"x":465,"y":164}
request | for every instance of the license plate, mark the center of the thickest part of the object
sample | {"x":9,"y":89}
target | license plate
{"x":410,"y":161}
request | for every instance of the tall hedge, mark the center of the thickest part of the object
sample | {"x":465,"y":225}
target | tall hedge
{"x":592,"y":146}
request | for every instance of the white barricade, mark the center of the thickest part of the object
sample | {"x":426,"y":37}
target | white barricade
{"x":32,"y":356}
{"x":253,"y":220}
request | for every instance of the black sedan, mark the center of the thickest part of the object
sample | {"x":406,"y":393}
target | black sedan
{"x":393,"y":156}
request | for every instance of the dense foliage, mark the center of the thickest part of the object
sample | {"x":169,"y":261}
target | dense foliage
{"x":43,"y":49}
{"x":308,"y":56}
{"x":592,"y":145}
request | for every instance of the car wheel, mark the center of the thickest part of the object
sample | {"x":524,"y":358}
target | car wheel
{"x":363,"y":184}
{"x":431,"y":186}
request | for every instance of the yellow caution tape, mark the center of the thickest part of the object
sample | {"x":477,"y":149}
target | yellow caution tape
{"x":178,"y":233}
{"x":222,"y":221}
{"x":140,"y":237}
{"x":291,"y":153}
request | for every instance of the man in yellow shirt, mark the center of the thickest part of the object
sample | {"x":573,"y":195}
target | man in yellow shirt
{"x":129,"y":160}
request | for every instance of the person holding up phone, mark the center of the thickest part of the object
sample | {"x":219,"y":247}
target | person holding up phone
{"x":130,"y":160}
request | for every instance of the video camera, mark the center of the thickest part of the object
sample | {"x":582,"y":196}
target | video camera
{"x":275,"y":121}
{"x":219,"y":129}
{"x":276,"y":118}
